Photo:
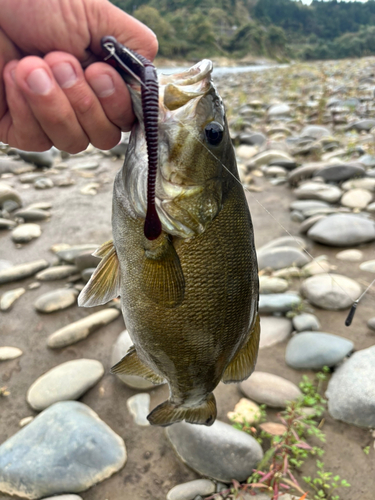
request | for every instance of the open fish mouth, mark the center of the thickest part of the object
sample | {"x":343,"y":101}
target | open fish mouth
{"x":178,"y":89}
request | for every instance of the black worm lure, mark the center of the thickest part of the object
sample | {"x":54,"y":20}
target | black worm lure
{"x":127,"y":62}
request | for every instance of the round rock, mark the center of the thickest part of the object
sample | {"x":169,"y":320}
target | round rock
{"x":356,"y":198}
{"x":269,"y":389}
{"x":26,"y":232}
{"x":331,"y":291}
{"x":278,"y":302}
{"x":9,"y":353}
{"x":273,"y":330}
{"x":341,"y":172}
{"x":56,"y":300}
{"x":31,"y":215}
{"x":56,"y":273}
{"x":22,"y":271}
{"x":219,"y":451}
{"x":313,"y":350}
{"x":305,"y":321}
{"x":269,"y":284}
{"x":351,"y":255}
{"x":343,"y":230}
{"x":8,"y":298}
{"x":64,"y":382}
{"x":369,"y":266}
{"x":188,"y":491}
{"x":351,"y":390}
{"x":371,"y":323}
{"x":67,"y":436}
{"x":139,"y":407}
{"x":280,"y":257}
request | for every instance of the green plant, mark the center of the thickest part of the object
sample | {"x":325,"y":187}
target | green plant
{"x":324,"y":485}
{"x":366,"y":450}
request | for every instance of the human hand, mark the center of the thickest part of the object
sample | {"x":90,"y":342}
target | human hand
{"x":52,"y":92}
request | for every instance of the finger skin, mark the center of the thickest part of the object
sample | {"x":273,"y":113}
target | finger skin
{"x":51,"y":107}
{"x":100,"y":130}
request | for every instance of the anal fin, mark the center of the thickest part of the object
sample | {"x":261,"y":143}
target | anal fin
{"x":242,"y":366}
{"x":162,"y":273}
{"x":104,"y":284}
{"x":168,"y":413}
{"x":132,"y":365}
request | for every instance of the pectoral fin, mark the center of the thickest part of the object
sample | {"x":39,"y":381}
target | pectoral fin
{"x":162,"y":274}
{"x":104,"y":284}
{"x":168,"y":413}
{"x":132,"y":365}
{"x":242,"y":366}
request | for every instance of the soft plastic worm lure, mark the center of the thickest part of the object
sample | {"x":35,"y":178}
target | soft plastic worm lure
{"x":127,"y":62}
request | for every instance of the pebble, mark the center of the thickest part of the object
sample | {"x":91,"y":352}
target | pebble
{"x":86,"y":260}
{"x":319,"y":265}
{"x":315,"y":131}
{"x":331,"y":291}
{"x":64,"y":497}
{"x":41,"y":159}
{"x":30,"y":215}
{"x":266,"y":157}
{"x":270,"y":389}
{"x":26,"y":232}
{"x":364,"y":183}
{"x":43,"y":183}
{"x":314,"y":190}
{"x":7,"y":193}
{"x":369,"y":266}
{"x":56,"y":273}
{"x":273,"y":428}
{"x":9,"y":353}
{"x":279,"y":109}
{"x":69,"y":254}
{"x":86,"y":165}
{"x":68,"y":437}
{"x":341,"y":172}
{"x":256,"y":139}
{"x":56,"y":300}
{"x":25,"y":421}
{"x":280,"y":257}
{"x":39,"y":205}
{"x":119,"y":349}
{"x":87,"y":273}
{"x":278,"y":302}
{"x":273,"y":330}
{"x":139,"y":407}
{"x":90,"y":189}
{"x":305,"y":321}
{"x":351,"y":255}
{"x":343,"y":230}
{"x":309,"y":222}
{"x":79,"y":330}
{"x":269,"y":284}
{"x":64,"y":382}
{"x":371,"y":323}
{"x":356,"y":198}
{"x":219,"y":451}
{"x":245,"y":412}
{"x":313,"y":350}
{"x":8,"y":298}
{"x":188,"y":491}
{"x":283,"y":241}
{"x":7,"y":224}
{"x":22,"y":271}
{"x":296,"y":216}
{"x":351,"y":390}
{"x":307,"y":205}
{"x":370,"y":208}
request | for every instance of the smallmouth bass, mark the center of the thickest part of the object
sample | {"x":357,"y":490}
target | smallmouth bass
{"x":190,"y":296}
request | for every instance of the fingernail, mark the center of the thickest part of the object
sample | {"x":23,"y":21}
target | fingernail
{"x":102,"y":85}
{"x":65,"y":74}
{"x":39,"y":82}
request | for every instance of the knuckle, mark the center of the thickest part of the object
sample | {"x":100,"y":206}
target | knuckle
{"x":84,"y":104}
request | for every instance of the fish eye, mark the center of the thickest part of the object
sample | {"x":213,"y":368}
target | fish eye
{"x":214,"y":133}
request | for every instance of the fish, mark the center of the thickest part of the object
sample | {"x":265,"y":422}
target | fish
{"x":189,"y":295}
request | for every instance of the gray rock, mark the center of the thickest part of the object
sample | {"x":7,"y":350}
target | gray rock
{"x":256,"y":139}
{"x":7,"y":224}
{"x":56,"y":300}
{"x":70,"y":254}
{"x":269,"y":284}
{"x":313,"y":350}
{"x":356,"y":198}
{"x":119,"y":349}
{"x":369,"y":266}
{"x":278,"y":302}
{"x":119,"y":150}
{"x":9,"y":353}
{"x":279,"y":110}
{"x":343,"y":230}
{"x":139,"y":407}
{"x":31,"y":215}
{"x":283,"y":241}
{"x":13,"y":167}
{"x":7,"y":193}
{"x":86,"y":165}
{"x":371,"y":208}
{"x":266,"y":157}
{"x":307,"y":205}
{"x":80,"y":329}
{"x":315,"y":131}
{"x":351,"y":255}
{"x":309,"y":222}
{"x":303,"y":172}
{"x":64,"y":382}
{"x":273,"y":330}
{"x":275,"y":171}
{"x":288,"y":164}
{"x":87,"y":273}
{"x":22,"y":271}
{"x":280,"y":257}
{"x":188,"y":491}
{"x":365,"y":124}
{"x":305,"y":321}
{"x":8,"y":298}
{"x":269,"y":389}
{"x":29,"y":178}
{"x":331,"y":291}
{"x":26,"y":232}
{"x":340,"y":172}
{"x":315,"y":190}
{"x":351,"y":390}
{"x":68,"y":436}
{"x":86,"y":260}
{"x":39,"y":205}
{"x":56,"y":273}
{"x":41,"y":159}
{"x":65,"y":497}
{"x":368,"y":161}
{"x":219,"y":451}
{"x":43,"y":183}
{"x":371,"y":323}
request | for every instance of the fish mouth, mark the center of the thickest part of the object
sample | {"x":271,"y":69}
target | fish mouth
{"x":178,"y":89}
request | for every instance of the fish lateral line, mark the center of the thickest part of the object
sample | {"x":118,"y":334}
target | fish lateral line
{"x":128,"y":62}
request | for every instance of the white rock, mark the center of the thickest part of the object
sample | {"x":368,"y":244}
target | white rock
{"x":331,"y":291}
{"x":9,"y":353}
{"x":8,"y":298}
{"x":273,"y":330}
{"x":351,"y":255}
{"x":139,"y":407}
{"x":26,"y":232}
{"x":356,"y":198}
{"x":369,"y":265}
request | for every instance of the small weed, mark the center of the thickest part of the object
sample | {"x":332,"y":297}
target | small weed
{"x":324,"y":484}
{"x":366,"y":450}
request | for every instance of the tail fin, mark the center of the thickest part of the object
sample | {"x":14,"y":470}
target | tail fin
{"x":168,"y":413}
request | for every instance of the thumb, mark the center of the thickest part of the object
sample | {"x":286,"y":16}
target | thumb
{"x":105,"y":19}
